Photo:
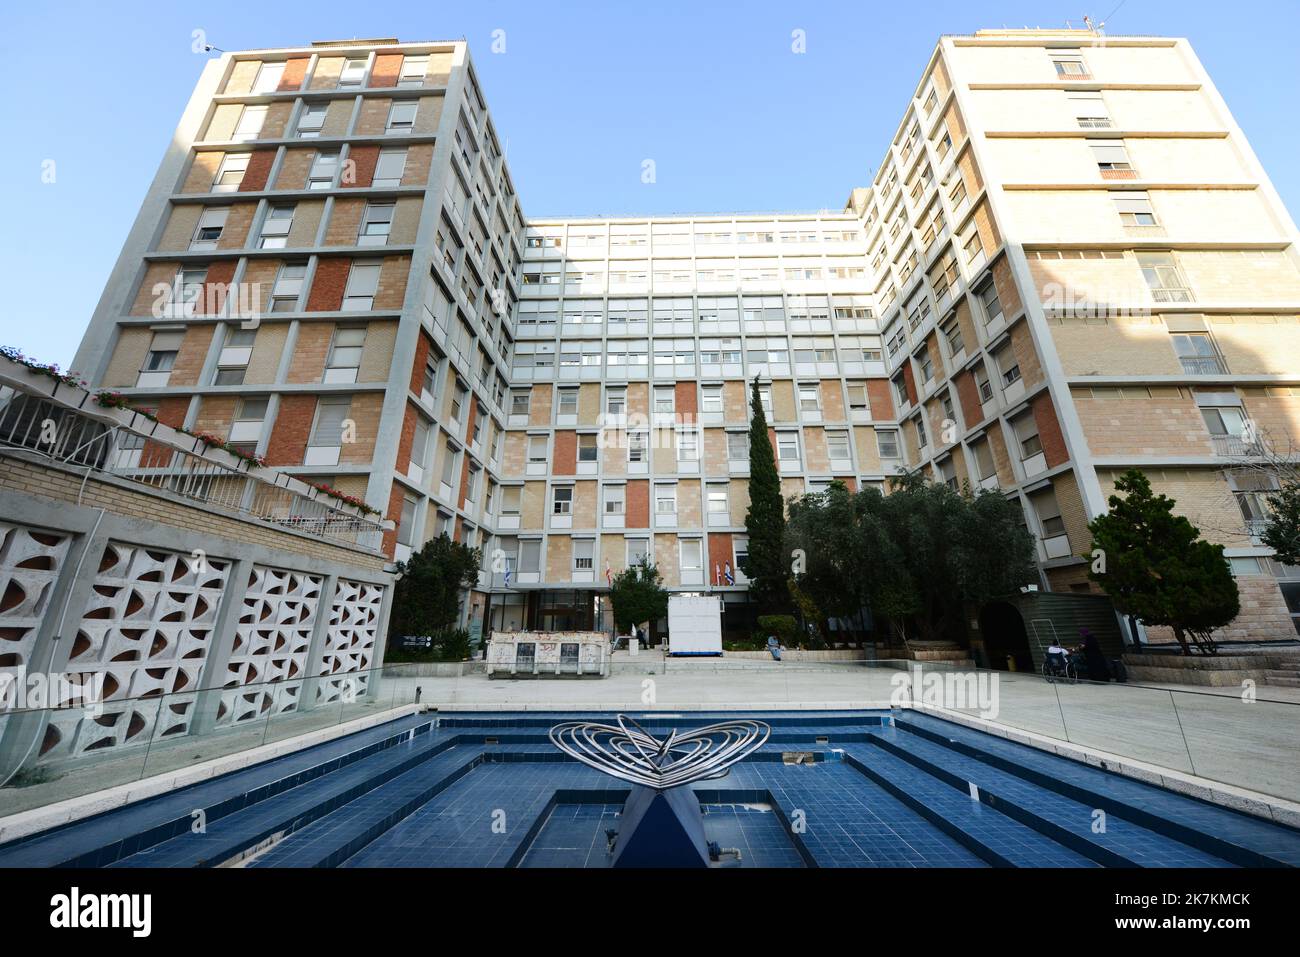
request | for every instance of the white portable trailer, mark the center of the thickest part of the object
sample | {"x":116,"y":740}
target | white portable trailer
{"x":694,"y":625}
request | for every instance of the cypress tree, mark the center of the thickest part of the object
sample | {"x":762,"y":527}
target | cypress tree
{"x":766,"y":564}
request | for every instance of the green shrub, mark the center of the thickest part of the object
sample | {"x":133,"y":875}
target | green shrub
{"x":783,"y":626}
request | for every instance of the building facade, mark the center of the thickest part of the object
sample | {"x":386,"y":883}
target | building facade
{"x":1069,"y":263}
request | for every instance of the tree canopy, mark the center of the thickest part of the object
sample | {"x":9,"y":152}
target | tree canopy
{"x":1155,"y":565}
{"x":637,"y":594}
{"x":919,"y":553}
{"x":767,"y":564}
{"x":1282,"y":528}
{"x":427,"y":595}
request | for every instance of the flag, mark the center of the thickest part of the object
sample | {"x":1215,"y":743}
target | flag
{"x":609,"y":576}
{"x":717,"y":574}
{"x":726,"y":572}
{"x":509,"y":573}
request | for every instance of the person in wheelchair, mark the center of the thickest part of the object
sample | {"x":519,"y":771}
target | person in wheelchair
{"x":1057,"y":662}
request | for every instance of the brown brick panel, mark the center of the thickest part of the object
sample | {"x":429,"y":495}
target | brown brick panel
{"x":407,"y":440}
{"x":220,"y":276}
{"x":364,"y":160}
{"x":328,"y":285}
{"x":637,"y":504}
{"x":291,"y":431}
{"x":1049,"y":430}
{"x":419,"y":159}
{"x":258,"y":172}
{"x":238,"y":222}
{"x":171,"y":411}
{"x":719,"y":555}
{"x":564,"y":460}
{"x":310,"y":352}
{"x":216,"y":414}
{"x":909,"y":382}
{"x":968,"y":393}
{"x":464,"y":484}
{"x":345,"y":222}
{"x":388,"y":67}
{"x":190,"y":357}
{"x":391,"y":293}
{"x":295,"y":71}
{"x":1008,"y":293}
{"x":686,"y":401}
{"x":395,"y":501}
{"x":421,"y":360}
{"x":294,"y":169}
{"x":880,"y":399}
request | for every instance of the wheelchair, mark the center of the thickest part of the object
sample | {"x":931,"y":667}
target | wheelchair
{"x":1065,"y":668}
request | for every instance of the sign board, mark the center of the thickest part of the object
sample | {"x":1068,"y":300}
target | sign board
{"x":414,"y":642}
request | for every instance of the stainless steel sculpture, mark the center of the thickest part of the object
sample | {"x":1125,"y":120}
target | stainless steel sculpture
{"x":629,"y":752}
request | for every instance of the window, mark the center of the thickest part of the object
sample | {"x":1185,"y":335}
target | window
{"x":1111,"y":157}
{"x":711,"y":399}
{"x":212,"y":222}
{"x":519,"y":402}
{"x":952,"y":335}
{"x":511,"y":496}
{"x":1197,"y":353}
{"x":887,"y":443}
{"x":614,"y":498}
{"x":664,"y":400}
{"x":246,"y":429}
{"x":1008,"y":366}
{"x":230,"y":173}
{"x":538,"y":447}
{"x":858,"y":401}
{"x":741,"y":544}
{"x":353,"y":72}
{"x":588,"y":448}
{"x":984,"y":464}
{"x":323,"y":168}
{"x":692,"y":554}
{"x":562,"y":500}
{"x":688,"y":449}
{"x":1134,"y":207}
{"x":250,"y":123}
{"x":926,"y":365}
{"x":450,"y":455}
{"x":982,"y":382}
{"x":187,"y":289}
{"x":162,"y":355}
{"x":345,"y":354}
{"x":376,"y":224}
{"x":1070,"y":68}
{"x":787,"y":447}
{"x":1089,"y":110}
{"x":717,"y":500}
{"x":363,"y":283}
{"x":414,"y":69}
{"x":232,"y":361}
{"x":636,"y":446}
{"x":311,"y":120}
{"x":389,"y":168}
{"x":276,"y":226}
{"x":837,"y":446}
{"x":922,"y":439}
{"x":584,"y":553}
{"x":530,"y":556}
{"x":900,"y":389}
{"x":1163,"y":277}
{"x":638,"y":549}
{"x":401,"y":116}
{"x":1049,"y":513}
{"x":737,"y":446}
{"x":1026,"y":430}
{"x":288,"y":287}
{"x":809,"y":398}
{"x":331,"y":412}
{"x":268,"y":78}
{"x":988,"y":294}
{"x":419,"y":444}
{"x":665,"y":499}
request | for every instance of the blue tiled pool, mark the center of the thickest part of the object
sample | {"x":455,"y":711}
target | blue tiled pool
{"x":829,"y":789}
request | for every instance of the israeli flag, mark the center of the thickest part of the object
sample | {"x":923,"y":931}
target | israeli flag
{"x":726,"y":573}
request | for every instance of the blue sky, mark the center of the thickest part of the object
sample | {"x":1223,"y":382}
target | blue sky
{"x":583,"y":93}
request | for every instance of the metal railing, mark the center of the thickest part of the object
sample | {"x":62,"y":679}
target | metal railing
{"x":66,"y":429}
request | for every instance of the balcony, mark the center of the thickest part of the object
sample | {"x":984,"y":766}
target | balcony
{"x":1171,"y":294}
{"x":1202,"y":365}
{"x":1234,"y":446}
